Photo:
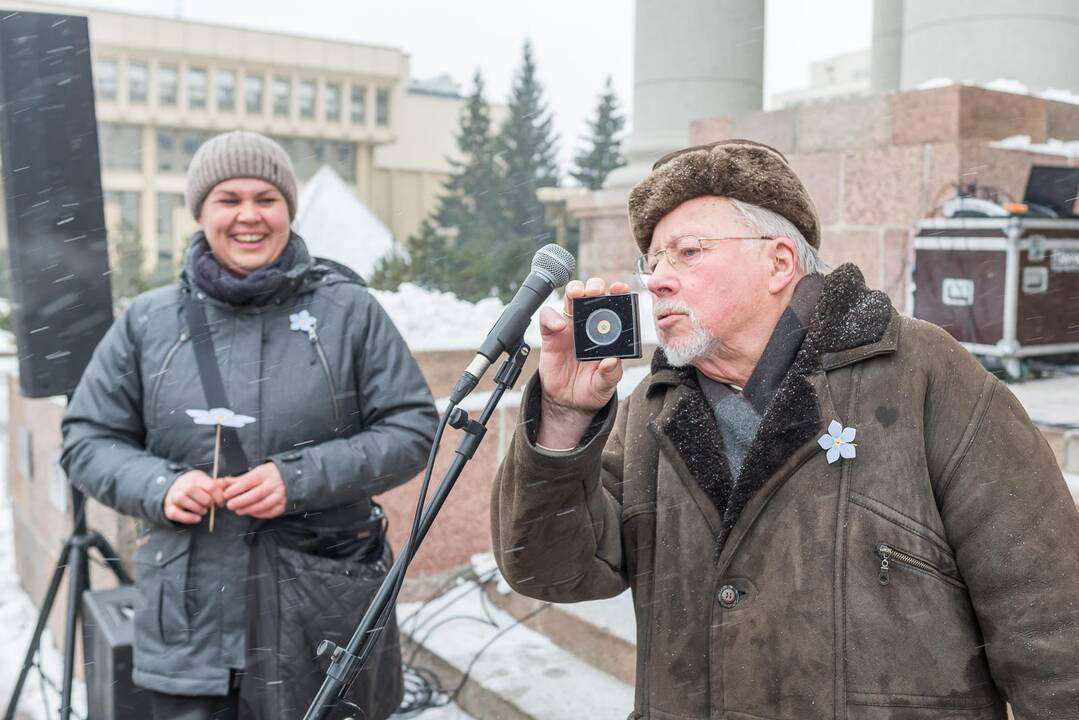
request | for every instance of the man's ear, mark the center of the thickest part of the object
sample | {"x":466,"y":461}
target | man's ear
{"x":783,"y":258}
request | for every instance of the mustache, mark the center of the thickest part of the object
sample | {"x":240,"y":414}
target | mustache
{"x":666,"y":306}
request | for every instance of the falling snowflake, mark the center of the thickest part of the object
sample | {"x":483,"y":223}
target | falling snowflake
{"x":838,"y":442}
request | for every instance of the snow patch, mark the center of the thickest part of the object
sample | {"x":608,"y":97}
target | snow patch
{"x":1052,"y":146}
{"x":434,"y":320}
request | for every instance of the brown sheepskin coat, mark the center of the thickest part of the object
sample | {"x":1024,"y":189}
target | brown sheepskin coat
{"x":935,"y":575}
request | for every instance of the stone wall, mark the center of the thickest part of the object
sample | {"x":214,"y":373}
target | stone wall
{"x":875,"y":165}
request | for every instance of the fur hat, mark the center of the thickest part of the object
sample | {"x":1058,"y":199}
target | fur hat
{"x":740,"y":169}
{"x":239,"y":154}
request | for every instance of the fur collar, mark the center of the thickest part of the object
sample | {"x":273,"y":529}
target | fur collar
{"x":848,"y":315}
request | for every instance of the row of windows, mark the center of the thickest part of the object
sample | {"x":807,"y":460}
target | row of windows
{"x":127,"y":204}
{"x":197,"y":80}
{"x":121,"y":149}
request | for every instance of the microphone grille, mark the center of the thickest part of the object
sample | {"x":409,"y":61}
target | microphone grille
{"x":556,"y":262}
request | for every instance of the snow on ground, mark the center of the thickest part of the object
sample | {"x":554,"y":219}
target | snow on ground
{"x":433,"y":320}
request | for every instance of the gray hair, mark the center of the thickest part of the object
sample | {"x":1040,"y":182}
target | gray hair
{"x":771,"y":224}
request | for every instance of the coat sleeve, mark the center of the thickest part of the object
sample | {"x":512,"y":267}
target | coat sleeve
{"x":1015,"y":531}
{"x":397,"y":417}
{"x":556,"y":517}
{"x":104,"y":454}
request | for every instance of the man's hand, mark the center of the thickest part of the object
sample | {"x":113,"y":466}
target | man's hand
{"x":259,"y":492}
{"x":190,"y":496}
{"x":572,"y":391}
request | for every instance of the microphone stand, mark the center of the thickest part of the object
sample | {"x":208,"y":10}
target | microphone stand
{"x":346,"y":662}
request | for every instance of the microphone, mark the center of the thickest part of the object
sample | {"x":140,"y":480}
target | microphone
{"x":552,"y":267}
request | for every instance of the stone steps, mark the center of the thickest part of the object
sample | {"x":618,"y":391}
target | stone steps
{"x":506,"y":668}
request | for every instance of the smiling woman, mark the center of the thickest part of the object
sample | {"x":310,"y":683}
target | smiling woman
{"x":338,"y":412}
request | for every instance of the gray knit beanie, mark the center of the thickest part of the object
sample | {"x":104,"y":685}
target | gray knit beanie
{"x":239,"y":154}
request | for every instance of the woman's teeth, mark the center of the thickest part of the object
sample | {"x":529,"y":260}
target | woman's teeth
{"x":248,"y":238}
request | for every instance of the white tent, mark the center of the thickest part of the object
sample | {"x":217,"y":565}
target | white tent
{"x":336,"y":225}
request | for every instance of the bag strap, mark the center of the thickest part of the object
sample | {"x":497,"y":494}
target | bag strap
{"x":212,"y":385}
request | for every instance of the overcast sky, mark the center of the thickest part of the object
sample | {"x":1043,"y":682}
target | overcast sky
{"x":577,"y":42}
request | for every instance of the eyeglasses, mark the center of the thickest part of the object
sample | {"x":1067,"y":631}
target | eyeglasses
{"x":684,"y":252}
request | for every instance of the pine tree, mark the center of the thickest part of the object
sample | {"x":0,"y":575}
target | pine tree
{"x":526,"y":151}
{"x":452,"y":250}
{"x":595,"y":163}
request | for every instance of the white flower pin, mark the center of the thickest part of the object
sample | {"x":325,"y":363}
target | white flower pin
{"x":838,"y":442}
{"x":218,"y":417}
{"x":303,"y":321}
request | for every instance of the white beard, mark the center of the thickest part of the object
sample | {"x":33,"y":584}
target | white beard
{"x":684,"y":351}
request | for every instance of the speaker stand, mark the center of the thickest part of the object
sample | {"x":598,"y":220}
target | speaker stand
{"x":75,"y":557}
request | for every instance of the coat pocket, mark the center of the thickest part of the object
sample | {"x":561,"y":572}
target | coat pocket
{"x":161,"y":577}
{"x":892,"y":557}
{"x":912,"y":637}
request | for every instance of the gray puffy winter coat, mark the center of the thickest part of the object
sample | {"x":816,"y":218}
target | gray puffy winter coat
{"x":343,"y":412}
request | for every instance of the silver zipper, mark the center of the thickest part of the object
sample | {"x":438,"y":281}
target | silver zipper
{"x":161,"y":373}
{"x":889,"y":554}
{"x":313,"y":335}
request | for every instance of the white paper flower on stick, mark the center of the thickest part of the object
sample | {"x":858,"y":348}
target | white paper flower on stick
{"x":220,"y":416}
{"x":838,"y":442}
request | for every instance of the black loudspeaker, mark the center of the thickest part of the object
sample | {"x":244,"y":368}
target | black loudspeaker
{"x":108,"y":629}
{"x":62,"y":303}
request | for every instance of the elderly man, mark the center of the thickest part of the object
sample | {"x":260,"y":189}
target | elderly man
{"x":823,"y":509}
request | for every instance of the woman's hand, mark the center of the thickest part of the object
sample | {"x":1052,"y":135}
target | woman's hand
{"x":260,"y":492}
{"x":190,"y":496}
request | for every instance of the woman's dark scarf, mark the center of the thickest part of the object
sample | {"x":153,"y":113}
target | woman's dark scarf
{"x":258,"y":288}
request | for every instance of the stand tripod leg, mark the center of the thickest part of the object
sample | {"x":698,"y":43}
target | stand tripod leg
{"x":75,"y":585}
{"x":110,"y":557}
{"x":42,"y":619}
{"x":75,"y":555}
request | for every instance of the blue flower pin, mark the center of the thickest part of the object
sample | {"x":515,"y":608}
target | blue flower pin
{"x":304,"y":322}
{"x":838,"y":442}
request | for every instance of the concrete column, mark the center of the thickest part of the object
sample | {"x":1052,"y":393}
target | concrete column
{"x":1033,"y":42}
{"x":692,"y":59}
{"x":887,"y":45}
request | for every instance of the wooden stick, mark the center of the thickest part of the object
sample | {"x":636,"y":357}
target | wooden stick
{"x":217,"y":453}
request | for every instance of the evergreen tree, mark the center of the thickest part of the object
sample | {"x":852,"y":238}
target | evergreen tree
{"x":595,"y":163}
{"x":526,"y":150}
{"x":453,"y":248}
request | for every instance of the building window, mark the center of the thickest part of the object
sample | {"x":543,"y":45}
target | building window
{"x":168,"y":204}
{"x":175,"y":148}
{"x":281,"y":96}
{"x":307,"y":98}
{"x":253,"y":94}
{"x":124,"y":208}
{"x":105,"y":78}
{"x":333,"y":102}
{"x":382,"y":107}
{"x":359,"y":100}
{"x":120,"y":146}
{"x":138,"y":82}
{"x":309,"y":155}
{"x":168,"y":85}
{"x":196,"y":88}
{"x":225,"y":80}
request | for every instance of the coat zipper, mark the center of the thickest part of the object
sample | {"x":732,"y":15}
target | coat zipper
{"x":313,"y":335}
{"x":161,"y":373}
{"x":889,"y":554}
